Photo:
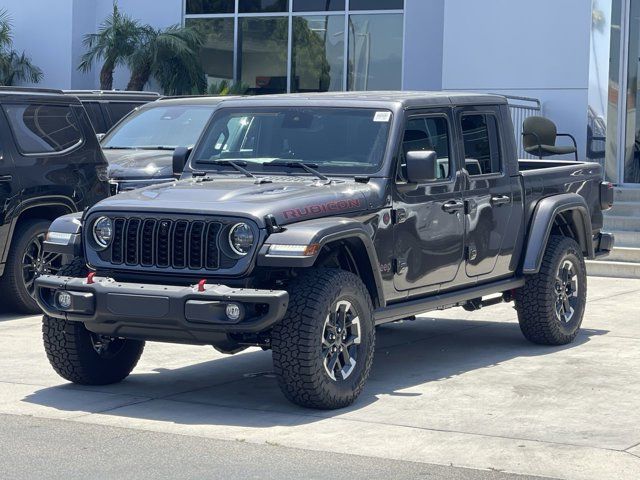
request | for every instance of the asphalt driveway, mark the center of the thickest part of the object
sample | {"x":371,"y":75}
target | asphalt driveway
{"x":453,"y":388}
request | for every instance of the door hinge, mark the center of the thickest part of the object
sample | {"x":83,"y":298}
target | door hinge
{"x":398,"y":215}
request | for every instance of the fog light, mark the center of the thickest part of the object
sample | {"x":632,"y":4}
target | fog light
{"x":233,"y":311}
{"x":63,"y":299}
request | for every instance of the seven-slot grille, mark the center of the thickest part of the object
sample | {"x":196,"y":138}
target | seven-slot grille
{"x":180,"y":244}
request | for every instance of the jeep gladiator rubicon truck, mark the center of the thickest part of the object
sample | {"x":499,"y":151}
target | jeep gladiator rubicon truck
{"x":303,"y":222}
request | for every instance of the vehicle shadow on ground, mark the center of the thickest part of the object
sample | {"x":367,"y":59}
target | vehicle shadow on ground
{"x":239,"y":390}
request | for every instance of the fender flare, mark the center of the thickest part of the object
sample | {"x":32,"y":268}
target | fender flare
{"x":321,"y":231}
{"x":542,"y":222}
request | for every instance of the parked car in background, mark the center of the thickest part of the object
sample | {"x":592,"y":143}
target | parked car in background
{"x":50,"y":165}
{"x":140,"y":148}
{"x":106,"y":108}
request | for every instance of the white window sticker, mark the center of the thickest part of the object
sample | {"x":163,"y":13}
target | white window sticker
{"x":382,"y":117}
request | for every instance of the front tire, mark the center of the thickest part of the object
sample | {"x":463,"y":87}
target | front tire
{"x":81,"y":356}
{"x":552,"y":302}
{"x":323,"y":348}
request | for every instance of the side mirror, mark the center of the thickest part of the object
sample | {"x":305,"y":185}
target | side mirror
{"x":422,"y":166}
{"x":180,"y":157}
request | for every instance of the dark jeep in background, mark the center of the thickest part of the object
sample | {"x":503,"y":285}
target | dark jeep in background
{"x":50,"y":165}
{"x":140,"y":147}
{"x":106,"y":107}
{"x":302,"y":222}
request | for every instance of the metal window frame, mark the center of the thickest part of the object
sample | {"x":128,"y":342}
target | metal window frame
{"x":289,"y":14}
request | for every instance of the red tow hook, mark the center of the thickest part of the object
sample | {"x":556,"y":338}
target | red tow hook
{"x":90,"y":278}
{"x":201,"y":284}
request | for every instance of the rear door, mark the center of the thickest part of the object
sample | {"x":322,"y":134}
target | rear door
{"x":488,"y":194}
{"x":428,"y":227}
{"x":9,"y":183}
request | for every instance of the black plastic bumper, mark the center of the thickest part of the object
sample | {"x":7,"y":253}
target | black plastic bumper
{"x":159,"y":312}
{"x":604,"y":244}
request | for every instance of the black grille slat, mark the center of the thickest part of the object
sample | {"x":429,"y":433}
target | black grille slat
{"x":179,"y":238}
{"x":162,"y":243}
{"x":147,"y":242}
{"x":117,"y":246}
{"x":132,"y":232}
{"x":212,"y":250}
{"x":196,"y":244}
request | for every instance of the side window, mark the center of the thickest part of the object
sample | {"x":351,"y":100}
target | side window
{"x":43,"y":128}
{"x":427,"y":133}
{"x":117,"y":110}
{"x":481,"y":144}
{"x":95,"y":116}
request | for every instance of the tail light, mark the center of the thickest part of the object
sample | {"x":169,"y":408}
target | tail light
{"x":606,"y":195}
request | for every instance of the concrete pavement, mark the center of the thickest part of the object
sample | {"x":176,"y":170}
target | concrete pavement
{"x":454,"y":388}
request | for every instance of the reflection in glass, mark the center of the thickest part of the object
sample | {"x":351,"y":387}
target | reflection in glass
{"x":261,"y":6}
{"x":317,"y":5}
{"x":375,"y":52}
{"x":263,"y":45}
{"x":632,"y":131}
{"x":210,"y":6}
{"x":376,"y":4}
{"x":318,"y":53}
{"x":216,"y":54}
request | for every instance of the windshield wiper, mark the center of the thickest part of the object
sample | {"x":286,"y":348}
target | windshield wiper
{"x":239,"y":167}
{"x":308,"y":167}
{"x":161,"y":147}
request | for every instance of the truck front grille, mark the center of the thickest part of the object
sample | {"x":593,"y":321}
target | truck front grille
{"x":178,"y":244}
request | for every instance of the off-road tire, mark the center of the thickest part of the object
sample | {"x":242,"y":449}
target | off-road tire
{"x":297,"y":339}
{"x":536,"y":300}
{"x":70,"y":347}
{"x":16,"y":296}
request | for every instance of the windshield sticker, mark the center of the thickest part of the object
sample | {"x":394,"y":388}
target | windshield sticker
{"x":382,"y":117}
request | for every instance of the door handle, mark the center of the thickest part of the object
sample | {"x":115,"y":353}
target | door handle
{"x":500,"y":200}
{"x":6,"y":178}
{"x":453,"y":206}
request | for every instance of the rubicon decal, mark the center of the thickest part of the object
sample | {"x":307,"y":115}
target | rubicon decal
{"x":334,"y":206}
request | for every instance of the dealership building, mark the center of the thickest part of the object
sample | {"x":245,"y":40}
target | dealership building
{"x":575,"y":61}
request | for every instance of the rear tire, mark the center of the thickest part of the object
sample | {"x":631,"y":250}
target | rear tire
{"x":81,"y":356}
{"x":552,"y":302}
{"x":323,"y":348}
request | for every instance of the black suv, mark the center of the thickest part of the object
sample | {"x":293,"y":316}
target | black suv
{"x":50,"y":165}
{"x":301,"y":222}
{"x":106,"y":108}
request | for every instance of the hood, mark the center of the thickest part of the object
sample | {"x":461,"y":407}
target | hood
{"x":289,"y":199}
{"x":139,"y":164}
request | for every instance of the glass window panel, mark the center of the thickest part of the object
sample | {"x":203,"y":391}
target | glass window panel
{"x":376,"y":4}
{"x":318,"y":53}
{"x":94,"y":111}
{"x":216,"y":54}
{"x":262,"y":6}
{"x":317,"y":5}
{"x":375,"y":52}
{"x":43,"y":128}
{"x":632,"y":147}
{"x":118,"y":110}
{"x":263,"y":46}
{"x":210,"y":6}
{"x":427,"y":134}
{"x":481,"y":144}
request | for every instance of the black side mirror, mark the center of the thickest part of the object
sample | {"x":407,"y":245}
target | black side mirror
{"x":180,"y":157}
{"x":422,"y":166}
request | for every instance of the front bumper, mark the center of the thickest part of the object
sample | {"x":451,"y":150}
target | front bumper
{"x":161,"y":312}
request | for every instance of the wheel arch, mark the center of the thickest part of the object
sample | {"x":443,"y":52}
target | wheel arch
{"x":567,"y":215}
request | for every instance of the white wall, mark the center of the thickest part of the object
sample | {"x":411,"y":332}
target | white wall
{"x":520,"y":47}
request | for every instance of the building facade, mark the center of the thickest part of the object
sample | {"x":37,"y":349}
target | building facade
{"x":574,"y":56}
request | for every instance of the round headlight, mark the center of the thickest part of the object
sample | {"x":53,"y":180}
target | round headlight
{"x":103,"y":231}
{"x":241,"y":238}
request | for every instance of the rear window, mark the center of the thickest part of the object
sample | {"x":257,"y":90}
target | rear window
{"x":94,"y":111}
{"x":43,"y":128}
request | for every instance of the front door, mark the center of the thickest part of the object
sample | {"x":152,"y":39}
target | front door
{"x":488,"y":194}
{"x":429,"y":228}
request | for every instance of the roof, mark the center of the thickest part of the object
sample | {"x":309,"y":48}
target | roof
{"x":113,"y":94}
{"x":195,"y":100}
{"x":377,"y":99}
{"x":31,"y":94}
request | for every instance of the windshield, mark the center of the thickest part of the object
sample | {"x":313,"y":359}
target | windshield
{"x":335,"y":140}
{"x":160,"y":127}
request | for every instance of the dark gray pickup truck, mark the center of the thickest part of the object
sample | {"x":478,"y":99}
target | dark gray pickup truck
{"x":302,"y":222}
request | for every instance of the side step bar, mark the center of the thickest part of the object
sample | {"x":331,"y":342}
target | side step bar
{"x":392,"y":313}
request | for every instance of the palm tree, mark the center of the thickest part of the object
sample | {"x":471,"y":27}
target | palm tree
{"x":114,"y":43}
{"x":14,"y":66}
{"x":171,"y":56}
